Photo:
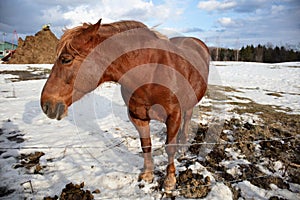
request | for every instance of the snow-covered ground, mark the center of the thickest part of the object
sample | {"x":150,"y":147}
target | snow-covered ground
{"x":97,"y":144}
{"x":271,"y":84}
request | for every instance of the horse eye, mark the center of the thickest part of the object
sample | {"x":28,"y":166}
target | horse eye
{"x":66,"y":59}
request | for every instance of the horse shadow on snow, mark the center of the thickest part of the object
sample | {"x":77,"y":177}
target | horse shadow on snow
{"x":100,"y":119}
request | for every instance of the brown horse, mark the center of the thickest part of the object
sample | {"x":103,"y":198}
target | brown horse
{"x":161,"y":79}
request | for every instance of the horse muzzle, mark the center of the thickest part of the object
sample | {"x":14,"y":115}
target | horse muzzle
{"x":54,"y":111}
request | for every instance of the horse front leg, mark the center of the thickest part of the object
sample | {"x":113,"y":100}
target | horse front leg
{"x":173,"y":124}
{"x":144,"y":132}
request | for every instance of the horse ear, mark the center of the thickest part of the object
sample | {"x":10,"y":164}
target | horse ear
{"x":97,"y":25}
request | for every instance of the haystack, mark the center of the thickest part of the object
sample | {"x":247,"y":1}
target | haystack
{"x":37,"y":49}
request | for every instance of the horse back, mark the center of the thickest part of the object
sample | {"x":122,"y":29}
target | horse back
{"x":197,"y":54}
{"x":191,"y":44}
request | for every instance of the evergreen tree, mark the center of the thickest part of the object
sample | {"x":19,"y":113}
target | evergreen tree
{"x":266,"y":53}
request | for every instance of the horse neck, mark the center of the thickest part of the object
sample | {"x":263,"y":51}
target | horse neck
{"x":116,"y":70}
{"x":124,"y":51}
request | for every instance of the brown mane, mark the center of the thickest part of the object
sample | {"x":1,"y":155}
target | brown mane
{"x":105,"y":31}
{"x":69,"y":34}
{"x":121,"y":26}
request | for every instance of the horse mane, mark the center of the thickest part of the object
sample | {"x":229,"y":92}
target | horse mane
{"x":105,"y":31}
{"x":121,"y":26}
{"x":69,"y":34}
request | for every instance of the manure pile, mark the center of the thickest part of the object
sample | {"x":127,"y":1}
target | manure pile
{"x":37,"y":49}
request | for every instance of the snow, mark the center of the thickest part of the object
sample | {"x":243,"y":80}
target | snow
{"x":97,"y":144}
{"x":250,"y":191}
{"x":219,"y":191}
{"x":256,"y":80}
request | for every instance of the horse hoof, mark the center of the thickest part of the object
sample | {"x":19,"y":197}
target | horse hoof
{"x":146,"y":176}
{"x":169,"y":184}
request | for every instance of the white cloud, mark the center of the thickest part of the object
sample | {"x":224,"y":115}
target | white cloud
{"x":73,"y":14}
{"x":276,"y":9}
{"x":240,"y":6}
{"x":226,"y":21}
{"x":121,"y":10}
{"x":79,"y":15}
{"x":212,"y":5}
{"x":52,"y":14}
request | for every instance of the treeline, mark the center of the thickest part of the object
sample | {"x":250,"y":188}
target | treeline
{"x":266,"y":54}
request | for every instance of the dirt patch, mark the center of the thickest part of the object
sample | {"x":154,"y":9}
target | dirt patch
{"x":29,"y":74}
{"x":15,"y":136}
{"x":10,"y":135}
{"x":31,"y":161}
{"x":37,"y":49}
{"x":264,"y":153}
{"x":74,"y":192}
{"x":274,"y":94}
{"x":193,"y":185}
{"x":4,"y":191}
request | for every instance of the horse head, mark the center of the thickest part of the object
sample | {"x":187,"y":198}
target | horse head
{"x":72,"y":49}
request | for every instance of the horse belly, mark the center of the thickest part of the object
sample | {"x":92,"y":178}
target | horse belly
{"x":150,"y":101}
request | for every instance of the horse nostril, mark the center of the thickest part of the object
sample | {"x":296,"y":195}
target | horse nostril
{"x":54,"y":111}
{"x":46,"y":107}
{"x":60,"y":109}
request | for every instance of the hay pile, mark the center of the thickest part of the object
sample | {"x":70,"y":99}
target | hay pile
{"x":38,"y":49}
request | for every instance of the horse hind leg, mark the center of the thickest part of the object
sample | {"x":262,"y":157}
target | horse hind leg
{"x":144,"y":132}
{"x":184,"y":131}
{"x":173,"y":125}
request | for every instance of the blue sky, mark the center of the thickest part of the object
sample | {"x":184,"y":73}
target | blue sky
{"x":226,"y":23}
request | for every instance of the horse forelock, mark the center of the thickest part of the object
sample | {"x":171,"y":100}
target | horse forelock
{"x":68,"y":36}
